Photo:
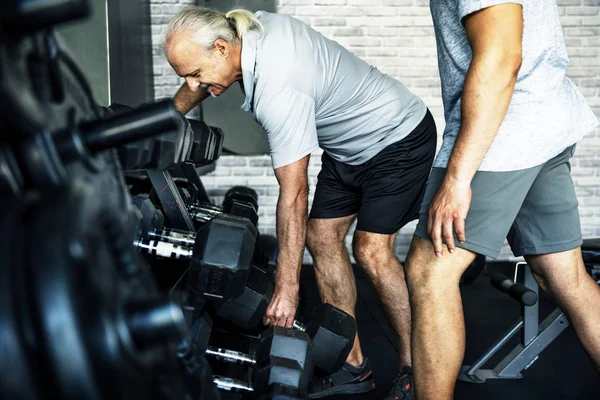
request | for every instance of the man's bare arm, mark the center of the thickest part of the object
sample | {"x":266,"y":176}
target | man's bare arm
{"x":292,"y":214}
{"x":185,"y":99}
{"x":495,"y":36}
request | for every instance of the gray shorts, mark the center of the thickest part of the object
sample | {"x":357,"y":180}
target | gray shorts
{"x":535,"y":209}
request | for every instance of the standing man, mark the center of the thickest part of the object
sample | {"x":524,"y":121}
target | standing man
{"x":378,"y":139}
{"x":513,"y":118}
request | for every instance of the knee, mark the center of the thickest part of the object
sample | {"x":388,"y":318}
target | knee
{"x":427,"y":273}
{"x":371,"y":258}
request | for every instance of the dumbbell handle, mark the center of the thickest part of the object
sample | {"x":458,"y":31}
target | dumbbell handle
{"x":299,"y":325}
{"x":232,"y":385}
{"x":164,"y":249}
{"x":181,"y":238}
{"x":230,"y":356}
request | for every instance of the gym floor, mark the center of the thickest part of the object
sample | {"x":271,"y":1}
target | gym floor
{"x":563,"y":371}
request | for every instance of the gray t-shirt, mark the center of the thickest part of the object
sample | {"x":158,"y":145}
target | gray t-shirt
{"x":547,"y":112}
{"x":308,"y":92}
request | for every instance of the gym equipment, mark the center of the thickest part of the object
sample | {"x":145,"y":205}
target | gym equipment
{"x":41,"y":158}
{"x":266,"y":250}
{"x":208,"y":143}
{"x":220,"y":259}
{"x":170,"y":200}
{"x":534,"y":337}
{"x":147,"y":218}
{"x":197,"y":371}
{"x":222,"y":256}
{"x":241,"y":201}
{"x":332,"y":332}
{"x":84,"y":290}
{"x":81,"y":315}
{"x":275,"y":391}
{"x":248,"y":309}
{"x":284,"y":357}
{"x":191,"y":141}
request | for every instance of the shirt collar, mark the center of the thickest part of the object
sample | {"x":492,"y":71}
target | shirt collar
{"x":249,"y":45}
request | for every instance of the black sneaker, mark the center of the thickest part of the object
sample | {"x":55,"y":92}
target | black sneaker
{"x":404,"y":386}
{"x":348,"y":380}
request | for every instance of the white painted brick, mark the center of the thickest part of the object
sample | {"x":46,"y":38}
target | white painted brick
{"x":295,"y":3}
{"x":581,"y":31}
{"x":568,"y":2}
{"x":381,"y":11}
{"x":349,"y":32}
{"x":404,"y":3}
{"x":363,"y":2}
{"x":583,"y":10}
{"x":330,"y":2}
{"x":329,"y":22}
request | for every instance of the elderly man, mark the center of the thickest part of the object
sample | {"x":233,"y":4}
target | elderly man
{"x":378,"y":142}
{"x":512,"y":121}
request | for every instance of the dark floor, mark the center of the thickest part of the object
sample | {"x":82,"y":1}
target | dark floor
{"x":563,"y":371}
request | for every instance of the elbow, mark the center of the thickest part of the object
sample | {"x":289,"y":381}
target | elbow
{"x":302,"y":196}
{"x":513,"y":62}
{"x":296,"y":198}
{"x":505,"y":63}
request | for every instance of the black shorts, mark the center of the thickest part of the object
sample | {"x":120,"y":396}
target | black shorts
{"x":385,"y":191}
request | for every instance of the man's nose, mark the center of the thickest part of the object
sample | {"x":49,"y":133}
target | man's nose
{"x":194,"y":84}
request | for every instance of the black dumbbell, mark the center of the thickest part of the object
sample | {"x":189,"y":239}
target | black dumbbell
{"x":275,"y":391}
{"x":208,"y":143}
{"x":147,"y":218}
{"x":242,"y":193}
{"x":332,"y":330}
{"x":248,"y":309}
{"x":220,"y":257}
{"x":284,"y":357}
{"x":204,"y":212}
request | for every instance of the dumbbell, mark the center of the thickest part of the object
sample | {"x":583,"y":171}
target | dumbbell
{"x":274,"y":391}
{"x":282,"y":364}
{"x":219,"y":259}
{"x":332,"y":330}
{"x":204,"y":212}
{"x":284,"y":355}
{"x":147,"y":218}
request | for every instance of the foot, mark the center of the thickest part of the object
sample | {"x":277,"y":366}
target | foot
{"x":404,"y":386}
{"x":348,"y":380}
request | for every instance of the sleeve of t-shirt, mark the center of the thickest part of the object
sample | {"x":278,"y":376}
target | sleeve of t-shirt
{"x":289,"y":119}
{"x":466,"y":7}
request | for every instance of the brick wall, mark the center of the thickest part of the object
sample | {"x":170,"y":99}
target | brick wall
{"x":397,"y":37}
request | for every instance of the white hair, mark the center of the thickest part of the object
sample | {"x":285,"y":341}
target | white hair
{"x":208,"y":25}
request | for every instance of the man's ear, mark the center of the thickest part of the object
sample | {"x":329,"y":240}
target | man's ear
{"x":222,"y":48}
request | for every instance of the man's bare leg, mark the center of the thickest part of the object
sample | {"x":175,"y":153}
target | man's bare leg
{"x":564,"y":276}
{"x":438,"y":334}
{"x":333,"y":269}
{"x":375,"y":253}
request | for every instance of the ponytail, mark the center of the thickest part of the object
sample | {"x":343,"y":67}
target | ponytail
{"x":244,"y":21}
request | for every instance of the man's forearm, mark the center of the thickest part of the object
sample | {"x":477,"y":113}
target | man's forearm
{"x":487,"y":92}
{"x":185,"y":99}
{"x":291,"y":237}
